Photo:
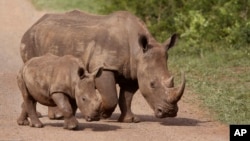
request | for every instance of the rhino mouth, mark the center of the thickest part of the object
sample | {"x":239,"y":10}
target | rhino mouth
{"x":161,"y":113}
{"x":92,"y":118}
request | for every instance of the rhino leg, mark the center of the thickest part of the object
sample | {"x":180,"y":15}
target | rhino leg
{"x":106,"y":86}
{"x":23,"y":118}
{"x":54,"y":113}
{"x":127,"y":91}
{"x":64,"y":105}
{"x":73,"y":106}
{"x":28,"y":106}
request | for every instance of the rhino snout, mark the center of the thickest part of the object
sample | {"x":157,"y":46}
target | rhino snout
{"x":162,"y":113}
{"x":93,"y":118}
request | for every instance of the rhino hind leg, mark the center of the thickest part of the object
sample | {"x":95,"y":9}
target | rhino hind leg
{"x":64,"y":105}
{"x":34,"y":120}
{"x":28,"y":106}
{"x":23,"y":118}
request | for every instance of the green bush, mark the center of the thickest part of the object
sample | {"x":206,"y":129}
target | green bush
{"x":199,"y":22}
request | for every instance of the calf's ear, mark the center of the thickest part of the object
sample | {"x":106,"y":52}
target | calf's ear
{"x":81,"y":72}
{"x":170,"y":42}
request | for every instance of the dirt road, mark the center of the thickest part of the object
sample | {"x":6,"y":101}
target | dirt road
{"x":191,"y":124}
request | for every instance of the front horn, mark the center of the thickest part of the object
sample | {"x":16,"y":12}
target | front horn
{"x":175,"y":94}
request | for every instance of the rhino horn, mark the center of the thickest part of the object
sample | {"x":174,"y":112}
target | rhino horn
{"x":169,"y":83}
{"x":175,"y":94}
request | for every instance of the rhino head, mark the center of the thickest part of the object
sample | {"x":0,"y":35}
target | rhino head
{"x":155,"y":82}
{"x":87,"y":99}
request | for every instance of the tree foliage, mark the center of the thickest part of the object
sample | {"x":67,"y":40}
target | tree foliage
{"x":197,"y":21}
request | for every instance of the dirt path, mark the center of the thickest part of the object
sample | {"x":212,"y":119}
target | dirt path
{"x":192,"y":124}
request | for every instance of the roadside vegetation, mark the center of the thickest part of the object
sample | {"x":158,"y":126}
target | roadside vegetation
{"x":213,"y":49}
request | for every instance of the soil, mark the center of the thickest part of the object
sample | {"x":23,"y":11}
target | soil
{"x":193,"y":122}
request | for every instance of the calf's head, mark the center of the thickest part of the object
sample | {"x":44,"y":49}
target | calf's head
{"x":155,"y":82}
{"x":87,"y":99}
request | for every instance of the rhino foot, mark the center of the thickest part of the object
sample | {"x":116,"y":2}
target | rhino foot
{"x":23,"y":122}
{"x":106,"y":115}
{"x":39,"y":115}
{"x":129,"y":119}
{"x":71,"y":123}
{"x":36,"y":125}
{"x":56,"y":116}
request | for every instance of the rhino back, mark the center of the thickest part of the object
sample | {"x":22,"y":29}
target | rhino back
{"x":97,"y":40}
{"x":48,"y":74}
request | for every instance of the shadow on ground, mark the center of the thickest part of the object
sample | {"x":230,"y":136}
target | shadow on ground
{"x":177,"y":121}
{"x":98,"y":127}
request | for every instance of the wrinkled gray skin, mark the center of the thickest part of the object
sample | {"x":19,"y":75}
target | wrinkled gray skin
{"x":58,"y":81}
{"x":133,"y":58}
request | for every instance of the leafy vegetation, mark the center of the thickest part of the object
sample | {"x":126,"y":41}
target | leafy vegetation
{"x":65,"y":5}
{"x":221,"y":78}
{"x":197,"y":21}
{"x":213,"y":50}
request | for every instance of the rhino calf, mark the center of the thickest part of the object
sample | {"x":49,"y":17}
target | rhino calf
{"x":58,"y":81}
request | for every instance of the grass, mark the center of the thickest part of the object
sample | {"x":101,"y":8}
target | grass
{"x":221,"y":76}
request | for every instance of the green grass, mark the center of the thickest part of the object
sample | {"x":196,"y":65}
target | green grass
{"x":220,"y":76}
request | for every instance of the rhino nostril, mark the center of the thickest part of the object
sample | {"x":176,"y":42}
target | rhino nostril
{"x":88,"y":118}
{"x":159,"y":111}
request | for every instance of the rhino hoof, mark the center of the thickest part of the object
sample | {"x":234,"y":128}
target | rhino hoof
{"x":133,"y":119}
{"x":39,"y":115}
{"x":55,"y":116}
{"x":71,"y":124}
{"x":71,"y":127}
{"x":36,"y":125}
{"x":23,"y":122}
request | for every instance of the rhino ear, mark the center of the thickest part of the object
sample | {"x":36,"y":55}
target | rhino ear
{"x":170,"y":42}
{"x":81,"y":72}
{"x":97,"y":72}
{"x":143,"y":42}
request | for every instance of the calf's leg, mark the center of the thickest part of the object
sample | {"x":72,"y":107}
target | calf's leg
{"x":54,"y":113}
{"x":23,"y":118}
{"x":63,"y":104}
{"x":28,"y":106}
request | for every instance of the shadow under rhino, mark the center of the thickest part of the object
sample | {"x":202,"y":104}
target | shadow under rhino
{"x":98,"y":127}
{"x":178,"y":121}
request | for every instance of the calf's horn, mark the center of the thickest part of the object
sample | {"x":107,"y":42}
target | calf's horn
{"x":170,"y":82}
{"x":175,"y":94}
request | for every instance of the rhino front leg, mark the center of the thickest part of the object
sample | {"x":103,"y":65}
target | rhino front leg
{"x":106,"y":86}
{"x":127,"y":91}
{"x":63,"y":104}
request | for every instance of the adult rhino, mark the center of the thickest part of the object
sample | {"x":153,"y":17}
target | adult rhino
{"x":121,"y":41}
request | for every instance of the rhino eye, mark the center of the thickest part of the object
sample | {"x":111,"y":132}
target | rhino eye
{"x":152,"y":84}
{"x":83,"y":99}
